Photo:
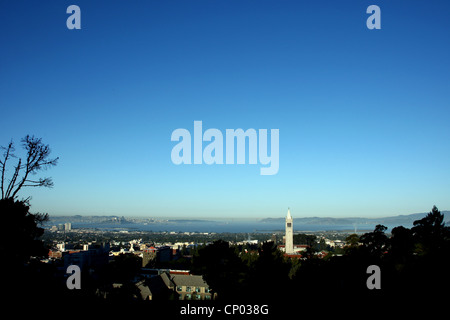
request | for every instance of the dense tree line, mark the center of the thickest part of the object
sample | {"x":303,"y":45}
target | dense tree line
{"x":413,"y":263}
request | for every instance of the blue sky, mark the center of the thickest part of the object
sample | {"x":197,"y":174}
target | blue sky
{"x":363,"y":114}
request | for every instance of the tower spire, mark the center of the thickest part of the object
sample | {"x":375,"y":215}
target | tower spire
{"x":289,"y":233}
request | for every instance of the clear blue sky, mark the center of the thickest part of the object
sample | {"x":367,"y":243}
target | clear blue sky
{"x":363,"y":114}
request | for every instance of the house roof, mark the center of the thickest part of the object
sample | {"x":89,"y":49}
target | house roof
{"x":189,"y":280}
{"x":165,"y":278}
{"x":144,"y":290}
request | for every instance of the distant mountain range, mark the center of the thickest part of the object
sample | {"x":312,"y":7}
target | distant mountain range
{"x":116,"y":220}
{"x":400,"y":220}
{"x":300,"y":223}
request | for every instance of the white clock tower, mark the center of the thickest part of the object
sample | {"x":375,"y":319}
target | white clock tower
{"x":289,"y":233}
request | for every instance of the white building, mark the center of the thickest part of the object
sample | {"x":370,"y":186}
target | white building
{"x":61,"y":246}
{"x":289,"y":233}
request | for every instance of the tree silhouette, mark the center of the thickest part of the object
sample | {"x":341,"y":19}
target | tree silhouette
{"x":124,"y":268}
{"x":269,"y":274}
{"x":23,"y":228}
{"x":19,"y":245}
{"x":424,"y":262}
{"x":375,"y":243}
{"x":305,"y":239}
{"x":37,"y":158}
{"x":430,"y":233}
{"x":351,"y":243}
{"x":222,"y":269}
{"x":401,"y":242}
{"x":20,"y":242}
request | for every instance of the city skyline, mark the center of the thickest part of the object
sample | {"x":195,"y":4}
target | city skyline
{"x":362,"y":114}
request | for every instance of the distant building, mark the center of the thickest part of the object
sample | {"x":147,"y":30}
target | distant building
{"x":289,"y":233}
{"x":93,"y":257}
{"x":159,"y":254}
{"x":67,"y":226}
{"x":55,"y":254}
{"x":148,"y":273}
{"x":61,"y":246}
{"x":274,"y":238}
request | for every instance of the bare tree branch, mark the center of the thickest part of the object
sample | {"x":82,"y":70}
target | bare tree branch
{"x":6,"y":155}
{"x":12,"y":182}
{"x":47,"y":182}
{"x":36,"y":159}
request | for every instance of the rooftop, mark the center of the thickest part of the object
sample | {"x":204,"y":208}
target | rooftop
{"x":189,"y":280}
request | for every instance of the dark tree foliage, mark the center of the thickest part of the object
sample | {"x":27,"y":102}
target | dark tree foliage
{"x":269,"y":271}
{"x":430,"y":233}
{"x":352,"y":242}
{"x":19,"y":240}
{"x":401,"y":242}
{"x":124,"y":268}
{"x":222,"y":269}
{"x":375,"y":243}
{"x":414,"y":262}
{"x":305,"y":239}
{"x":117,"y":278}
{"x":20,"y":251}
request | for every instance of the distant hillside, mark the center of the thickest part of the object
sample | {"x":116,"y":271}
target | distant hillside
{"x":88,"y":219}
{"x":404,"y":220}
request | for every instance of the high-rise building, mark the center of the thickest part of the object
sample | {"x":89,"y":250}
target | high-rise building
{"x":289,"y":233}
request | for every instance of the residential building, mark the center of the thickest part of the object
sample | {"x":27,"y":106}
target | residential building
{"x":191,"y":287}
{"x":160,"y":254}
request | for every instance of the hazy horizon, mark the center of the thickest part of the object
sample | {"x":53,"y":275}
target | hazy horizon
{"x":183,"y":217}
